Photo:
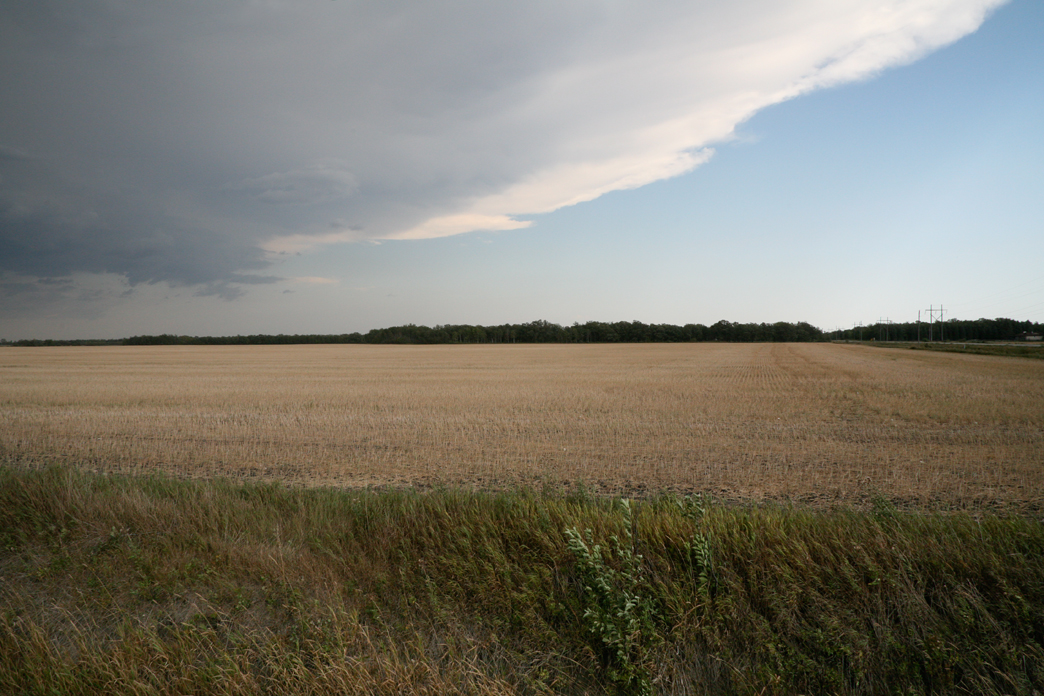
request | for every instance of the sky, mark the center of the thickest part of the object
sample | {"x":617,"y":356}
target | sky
{"x":327,"y":166}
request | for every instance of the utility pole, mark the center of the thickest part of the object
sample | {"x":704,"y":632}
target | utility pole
{"x":918,"y":326}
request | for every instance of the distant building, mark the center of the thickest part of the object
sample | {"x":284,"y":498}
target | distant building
{"x":1027,"y":336}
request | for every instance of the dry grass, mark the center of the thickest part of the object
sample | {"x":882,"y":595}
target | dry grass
{"x":153,"y":585}
{"x":813,"y":422}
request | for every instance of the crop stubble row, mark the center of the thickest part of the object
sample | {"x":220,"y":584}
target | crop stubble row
{"x":804,"y":421}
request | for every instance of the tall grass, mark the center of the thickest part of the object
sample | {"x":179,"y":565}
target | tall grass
{"x":150,"y":585}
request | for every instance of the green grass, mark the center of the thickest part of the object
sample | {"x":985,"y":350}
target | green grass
{"x":122,"y":585}
{"x":1029,"y":350}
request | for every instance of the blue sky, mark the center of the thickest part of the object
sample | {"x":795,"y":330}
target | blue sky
{"x":905,"y":172}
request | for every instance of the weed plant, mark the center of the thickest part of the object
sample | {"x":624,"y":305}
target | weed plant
{"x":617,"y":607}
{"x":151,"y":585}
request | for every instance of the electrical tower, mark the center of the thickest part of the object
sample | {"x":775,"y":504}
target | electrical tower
{"x":932,"y":311}
{"x":882,"y":325}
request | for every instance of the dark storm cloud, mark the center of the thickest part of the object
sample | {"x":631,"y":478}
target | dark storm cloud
{"x":177,"y":142}
{"x":318,"y":183}
{"x":61,"y":235}
{"x":10,"y":153}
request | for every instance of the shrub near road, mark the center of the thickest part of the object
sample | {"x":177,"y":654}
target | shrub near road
{"x":120,"y":585}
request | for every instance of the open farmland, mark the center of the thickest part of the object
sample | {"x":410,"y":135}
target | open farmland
{"x":809,"y":422}
{"x":113,"y":584}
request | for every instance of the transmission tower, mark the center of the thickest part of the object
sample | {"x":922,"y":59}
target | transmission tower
{"x":883,"y":325}
{"x":932,"y":311}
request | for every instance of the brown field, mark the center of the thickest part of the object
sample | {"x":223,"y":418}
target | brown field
{"x":808,"y":422}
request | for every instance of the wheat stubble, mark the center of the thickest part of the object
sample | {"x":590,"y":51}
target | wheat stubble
{"x":804,"y":421}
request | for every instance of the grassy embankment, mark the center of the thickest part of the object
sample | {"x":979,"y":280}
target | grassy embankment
{"x":121,"y":585}
{"x":1030,"y":350}
{"x":1026,"y":351}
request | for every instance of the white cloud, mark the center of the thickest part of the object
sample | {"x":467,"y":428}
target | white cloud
{"x":449,"y":225}
{"x":398,"y":122}
{"x":315,"y":280}
{"x":630,"y":97}
{"x":295,"y":243}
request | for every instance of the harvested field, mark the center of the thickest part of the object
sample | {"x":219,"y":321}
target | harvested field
{"x":809,"y":422}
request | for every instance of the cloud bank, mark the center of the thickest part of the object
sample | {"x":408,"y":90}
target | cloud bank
{"x":188,"y":143}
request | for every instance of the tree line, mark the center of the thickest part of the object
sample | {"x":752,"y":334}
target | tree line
{"x":600,"y":332}
{"x":595,"y":332}
{"x":539,"y":331}
{"x":999,"y":329}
